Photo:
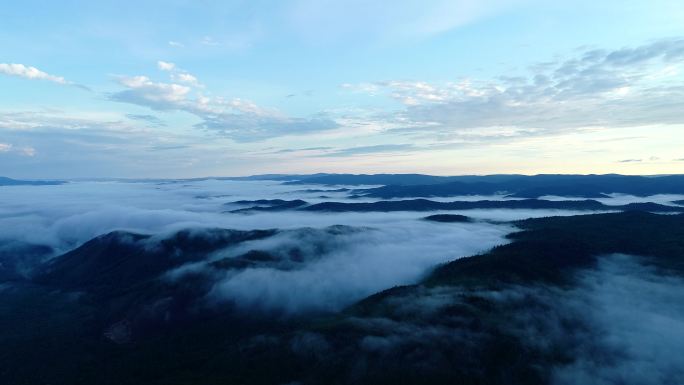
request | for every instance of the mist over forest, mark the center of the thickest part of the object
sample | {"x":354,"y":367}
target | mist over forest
{"x":287,"y":280}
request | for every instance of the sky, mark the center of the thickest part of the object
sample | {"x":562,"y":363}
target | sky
{"x":172,"y":89}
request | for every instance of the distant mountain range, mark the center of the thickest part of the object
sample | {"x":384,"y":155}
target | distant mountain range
{"x":430,"y":205}
{"x":581,"y":186}
{"x":419,"y":185}
{"x":4,"y":181}
{"x":392,"y":179}
{"x":520,"y":186}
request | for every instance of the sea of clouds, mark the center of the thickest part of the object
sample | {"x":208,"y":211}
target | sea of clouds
{"x":392,"y":249}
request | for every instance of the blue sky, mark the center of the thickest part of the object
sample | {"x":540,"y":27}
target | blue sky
{"x":197,"y":88}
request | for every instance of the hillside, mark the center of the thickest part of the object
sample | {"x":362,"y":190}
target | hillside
{"x":464,"y":323}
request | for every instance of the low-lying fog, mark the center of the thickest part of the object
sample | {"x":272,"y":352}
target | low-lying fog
{"x":398,"y":248}
{"x":64,"y":216}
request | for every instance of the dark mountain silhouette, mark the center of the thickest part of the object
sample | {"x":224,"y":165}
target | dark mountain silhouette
{"x":549,"y":247}
{"x":522,"y":186}
{"x":448,"y":218}
{"x":584,"y":186}
{"x":392,"y":179}
{"x":266,"y":205}
{"x":428,"y":205}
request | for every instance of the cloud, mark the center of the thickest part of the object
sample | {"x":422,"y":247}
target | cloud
{"x":99,"y":146}
{"x":306,"y":149}
{"x":319,"y":268}
{"x":179,"y":75}
{"x":169,"y":147}
{"x":23,"y":151}
{"x":366,"y":88}
{"x":621,"y":323}
{"x":173,"y":43}
{"x":322,"y":268}
{"x":236,"y":118}
{"x":253,"y":127}
{"x":33,"y":73}
{"x":165,"y":66}
{"x":185,"y":78}
{"x":28,"y":151}
{"x":650,"y":159}
{"x":28,"y":72}
{"x":151,"y":119}
{"x":349,"y":265}
{"x":159,"y":96}
{"x":631,"y":319}
{"x":376,"y":149}
{"x":30,"y":120}
{"x":597,"y":88}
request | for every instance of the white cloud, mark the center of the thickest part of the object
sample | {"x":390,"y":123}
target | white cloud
{"x":165,"y":66}
{"x":598,"y":88}
{"x":29,"y":72}
{"x":368,"y":88}
{"x":176,"y":44}
{"x":23,"y":151}
{"x":414,"y":93}
{"x":108,"y":145}
{"x":236,"y":118}
{"x":28,"y":151}
{"x":161,"y":96}
{"x":186,"y":78}
{"x":179,"y":75}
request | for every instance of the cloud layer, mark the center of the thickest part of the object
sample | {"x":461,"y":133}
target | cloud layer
{"x":335,"y":266}
{"x":238,"y":119}
{"x":29,"y":72}
{"x":633,"y":86}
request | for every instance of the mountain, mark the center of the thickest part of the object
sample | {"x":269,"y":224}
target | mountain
{"x":4,"y":181}
{"x":393,"y":179}
{"x":585,"y":186}
{"x":549,"y":248}
{"x":428,"y":205}
{"x":546,"y":307}
{"x":114,"y":261}
{"x":524,"y":313}
{"x":18,"y":259}
{"x":266,"y":205}
{"x":448,"y":218}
